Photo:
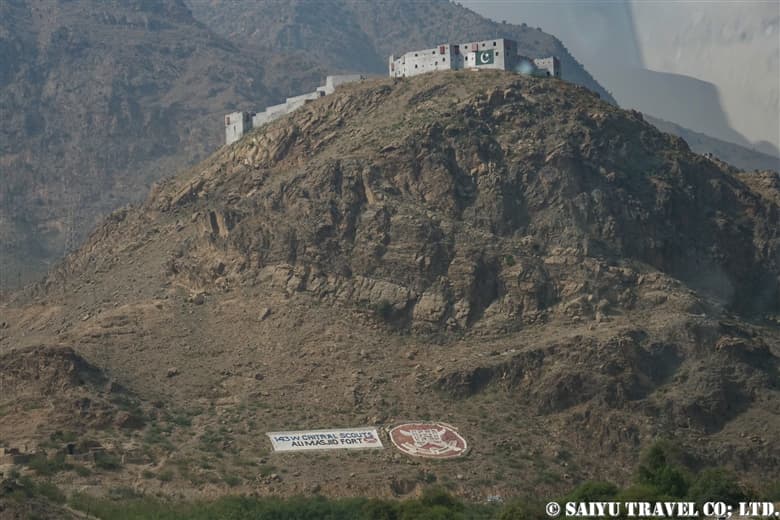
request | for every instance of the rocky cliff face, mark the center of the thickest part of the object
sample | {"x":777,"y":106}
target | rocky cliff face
{"x":513,"y":255}
{"x":512,"y":200}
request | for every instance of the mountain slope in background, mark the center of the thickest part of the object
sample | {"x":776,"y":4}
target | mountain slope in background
{"x":97,"y":100}
{"x":358,"y":36}
{"x":550,"y":274}
{"x":102,"y":98}
{"x":744,"y":158}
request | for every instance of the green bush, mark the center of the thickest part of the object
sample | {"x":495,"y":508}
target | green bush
{"x":81,"y":471}
{"x":122,"y":493}
{"x":716,"y":485}
{"x":592,"y":491}
{"x":232,"y":480}
{"x":50,"y":490}
{"x":380,"y":510}
{"x":28,"y":488}
{"x":107,"y":461}
{"x":384,"y":309}
{"x":657,"y":470}
{"x":525,"y":509}
{"x":432,"y":506}
{"x":165,"y":475}
{"x":47,"y":466}
{"x":772,"y":492}
{"x":641,"y":492}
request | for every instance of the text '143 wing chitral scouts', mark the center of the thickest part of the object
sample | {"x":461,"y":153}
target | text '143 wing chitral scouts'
{"x":352,"y":438}
{"x":431,"y":440}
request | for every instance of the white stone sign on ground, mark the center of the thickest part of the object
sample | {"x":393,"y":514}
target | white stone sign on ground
{"x":431,"y":440}
{"x":348,"y":438}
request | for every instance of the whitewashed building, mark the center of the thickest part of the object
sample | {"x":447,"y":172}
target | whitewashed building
{"x":499,"y":53}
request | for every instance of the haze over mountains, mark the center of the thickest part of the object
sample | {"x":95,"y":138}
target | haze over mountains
{"x":711,"y":67}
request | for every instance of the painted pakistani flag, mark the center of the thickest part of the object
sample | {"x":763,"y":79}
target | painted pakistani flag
{"x":485,"y":57}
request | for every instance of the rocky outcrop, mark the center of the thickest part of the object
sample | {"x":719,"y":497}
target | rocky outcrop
{"x":509,"y":204}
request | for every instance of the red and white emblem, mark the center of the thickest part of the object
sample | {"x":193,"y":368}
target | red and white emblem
{"x":431,"y":440}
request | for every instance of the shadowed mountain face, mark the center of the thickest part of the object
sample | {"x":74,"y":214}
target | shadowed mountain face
{"x":589,"y":29}
{"x":687,"y":101}
{"x":541,"y":269}
{"x":743,"y":158}
{"x":98,"y":99}
{"x":355,"y":35}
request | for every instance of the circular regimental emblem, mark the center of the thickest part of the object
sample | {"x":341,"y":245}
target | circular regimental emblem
{"x":432,"y":440}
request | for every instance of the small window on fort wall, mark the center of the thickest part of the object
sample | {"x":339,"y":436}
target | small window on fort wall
{"x":494,"y":44}
{"x":415,"y":65}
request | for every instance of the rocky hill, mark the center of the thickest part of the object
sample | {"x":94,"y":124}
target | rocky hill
{"x":358,"y":36}
{"x":514,"y":256}
{"x":101,"y":99}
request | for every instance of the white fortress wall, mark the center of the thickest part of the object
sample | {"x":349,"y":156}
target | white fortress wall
{"x":498,"y":54}
{"x":426,"y":60}
{"x":238,"y":123}
{"x":331,"y":82}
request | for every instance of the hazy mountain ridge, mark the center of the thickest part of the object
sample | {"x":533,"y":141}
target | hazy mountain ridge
{"x":358,"y":36}
{"x":703,"y":60}
{"x":744,"y":158}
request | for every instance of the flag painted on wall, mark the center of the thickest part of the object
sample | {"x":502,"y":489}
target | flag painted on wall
{"x":485,"y":57}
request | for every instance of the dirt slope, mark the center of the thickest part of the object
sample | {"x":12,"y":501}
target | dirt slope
{"x":511,"y":255}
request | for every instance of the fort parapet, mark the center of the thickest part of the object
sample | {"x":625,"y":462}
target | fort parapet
{"x":239,"y":123}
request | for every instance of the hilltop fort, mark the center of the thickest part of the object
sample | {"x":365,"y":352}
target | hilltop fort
{"x":499,"y":53}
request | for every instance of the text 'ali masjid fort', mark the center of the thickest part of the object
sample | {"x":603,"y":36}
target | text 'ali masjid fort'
{"x":499,"y":53}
